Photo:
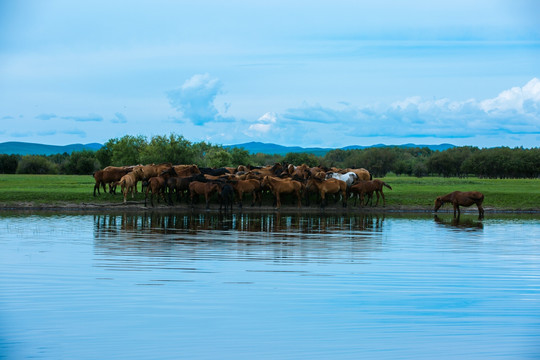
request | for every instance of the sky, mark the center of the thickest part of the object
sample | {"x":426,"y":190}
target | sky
{"x":295,"y":73}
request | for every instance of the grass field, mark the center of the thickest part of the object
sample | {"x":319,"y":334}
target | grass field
{"x":407,"y":192}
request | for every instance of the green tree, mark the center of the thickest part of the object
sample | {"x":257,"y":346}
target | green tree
{"x":173,"y":149}
{"x":302,"y":158}
{"x":261,"y":159}
{"x":105,"y":153}
{"x":239,"y":156}
{"x":127,"y":150}
{"x":336,"y":157}
{"x":217,"y":158}
{"x":8,"y":163}
{"x":81,"y":163}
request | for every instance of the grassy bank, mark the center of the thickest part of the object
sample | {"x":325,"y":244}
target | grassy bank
{"x":407,"y":192}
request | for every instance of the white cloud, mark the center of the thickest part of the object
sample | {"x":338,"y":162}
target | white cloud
{"x":260,"y":128}
{"x":514,"y":99}
{"x":119,"y":118}
{"x":513,"y":111}
{"x":195,"y":99}
{"x":268,"y":118}
{"x":264,"y":124}
{"x":87,"y":118}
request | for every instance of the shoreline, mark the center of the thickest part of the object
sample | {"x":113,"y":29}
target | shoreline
{"x":330,"y":209}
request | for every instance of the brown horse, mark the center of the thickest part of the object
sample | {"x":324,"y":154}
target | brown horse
{"x":109,"y":175}
{"x":180,"y":185}
{"x":252,"y":186}
{"x":157,"y":184}
{"x":329,"y":186}
{"x":458,"y":198}
{"x":186,"y":170}
{"x":283,"y":186}
{"x":202,"y":188}
{"x":363,"y":188}
{"x":362,"y":173}
{"x":127,"y":184}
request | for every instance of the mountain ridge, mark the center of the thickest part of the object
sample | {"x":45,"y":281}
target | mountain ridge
{"x":269,"y":148}
{"x":25,"y":148}
{"x":253,"y":147}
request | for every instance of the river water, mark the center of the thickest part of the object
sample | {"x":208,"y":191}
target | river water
{"x":269,"y":286}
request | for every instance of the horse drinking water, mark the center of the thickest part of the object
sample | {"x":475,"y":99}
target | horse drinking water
{"x":458,"y":198}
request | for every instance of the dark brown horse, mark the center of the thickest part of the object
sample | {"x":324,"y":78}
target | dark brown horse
{"x":458,"y":198}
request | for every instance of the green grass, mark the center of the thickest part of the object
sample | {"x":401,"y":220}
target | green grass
{"x":512,"y":194}
{"x":50,"y":189}
{"x":507,"y":194}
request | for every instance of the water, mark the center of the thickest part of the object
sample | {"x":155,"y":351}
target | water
{"x":269,"y":286}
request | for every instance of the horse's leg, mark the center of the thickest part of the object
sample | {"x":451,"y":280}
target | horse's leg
{"x":207,"y":198}
{"x":278,"y":200}
{"x":258,"y":193}
{"x":299,"y":197}
{"x":344,"y":200}
{"x":146,"y":196}
{"x":253,"y":198}
{"x":383,"y":199}
{"x":480,"y":211}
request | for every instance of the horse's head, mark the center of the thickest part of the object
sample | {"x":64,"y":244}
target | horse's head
{"x":169,"y":171}
{"x":438,"y":203}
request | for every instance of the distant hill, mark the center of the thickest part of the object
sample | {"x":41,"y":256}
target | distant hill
{"x":268,"y":148}
{"x":24,"y":148}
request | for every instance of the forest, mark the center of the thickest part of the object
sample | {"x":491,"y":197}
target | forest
{"x":498,"y":162}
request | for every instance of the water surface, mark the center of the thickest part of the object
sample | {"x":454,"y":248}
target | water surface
{"x":268,"y":286}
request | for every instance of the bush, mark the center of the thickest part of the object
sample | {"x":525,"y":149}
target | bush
{"x":35,"y":164}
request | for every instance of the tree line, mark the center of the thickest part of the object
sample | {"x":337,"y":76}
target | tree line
{"x":499,"y":162}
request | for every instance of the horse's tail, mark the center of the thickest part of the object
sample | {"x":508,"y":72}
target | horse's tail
{"x":388,"y":186}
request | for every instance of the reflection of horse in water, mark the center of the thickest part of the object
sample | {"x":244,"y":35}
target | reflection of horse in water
{"x":458,"y":198}
{"x":456,"y":222}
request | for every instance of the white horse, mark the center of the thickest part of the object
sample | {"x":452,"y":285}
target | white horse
{"x":349,"y":177}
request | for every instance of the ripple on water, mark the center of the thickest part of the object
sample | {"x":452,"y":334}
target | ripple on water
{"x":269,"y":286}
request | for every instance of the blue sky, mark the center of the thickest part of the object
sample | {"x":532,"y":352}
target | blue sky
{"x":307,"y":73}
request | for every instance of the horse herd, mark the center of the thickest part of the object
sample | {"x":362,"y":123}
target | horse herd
{"x":167,"y":181}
